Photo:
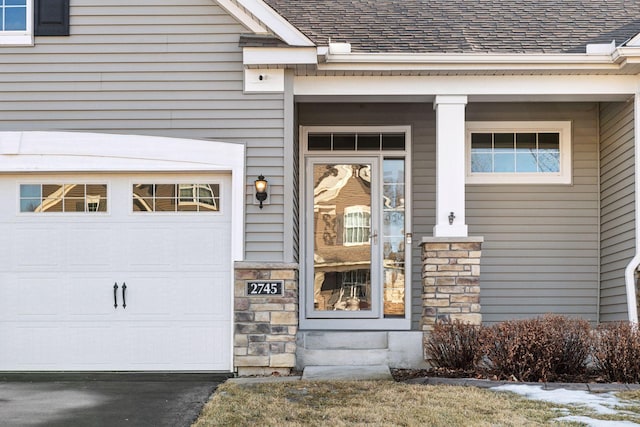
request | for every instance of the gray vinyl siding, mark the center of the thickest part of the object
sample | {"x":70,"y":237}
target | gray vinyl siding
{"x":421,"y":118}
{"x":153,"y":67}
{"x":540,"y":253}
{"x":617,"y":206}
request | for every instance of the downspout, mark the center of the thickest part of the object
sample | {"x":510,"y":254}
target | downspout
{"x":630,"y":276}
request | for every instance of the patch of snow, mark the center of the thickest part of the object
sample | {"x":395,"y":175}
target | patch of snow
{"x":600,"y":403}
{"x":604,"y":403}
{"x":590,"y":422}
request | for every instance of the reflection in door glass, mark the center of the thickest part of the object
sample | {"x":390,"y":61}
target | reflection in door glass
{"x":393,"y":217}
{"x":341,"y":234}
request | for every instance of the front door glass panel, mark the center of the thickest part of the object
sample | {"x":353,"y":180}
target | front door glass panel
{"x":342,"y":237}
{"x":393,"y":237}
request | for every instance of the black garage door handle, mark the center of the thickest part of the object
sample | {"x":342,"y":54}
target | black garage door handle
{"x":124,"y":298}
{"x":115,"y":295}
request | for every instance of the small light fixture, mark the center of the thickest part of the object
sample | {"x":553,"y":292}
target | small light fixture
{"x":261,"y":189}
{"x":451,"y":218}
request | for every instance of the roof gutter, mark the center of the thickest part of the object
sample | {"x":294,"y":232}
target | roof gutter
{"x":632,"y":267}
{"x":611,"y":61}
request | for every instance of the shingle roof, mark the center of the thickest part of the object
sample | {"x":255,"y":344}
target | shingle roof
{"x":439,"y":26}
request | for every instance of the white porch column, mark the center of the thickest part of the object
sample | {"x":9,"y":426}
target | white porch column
{"x":450,"y":166}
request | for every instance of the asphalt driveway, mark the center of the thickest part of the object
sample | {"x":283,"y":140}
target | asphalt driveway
{"x":104,"y":399}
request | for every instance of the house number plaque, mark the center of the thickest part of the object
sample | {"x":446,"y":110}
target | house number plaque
{"x":271,"y":287}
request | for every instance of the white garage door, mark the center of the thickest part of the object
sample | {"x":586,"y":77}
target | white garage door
{"x":115,"y":272}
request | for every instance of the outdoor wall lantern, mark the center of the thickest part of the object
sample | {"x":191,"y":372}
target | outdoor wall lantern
{"x":451,"y":218}
{"x":261,"y":189}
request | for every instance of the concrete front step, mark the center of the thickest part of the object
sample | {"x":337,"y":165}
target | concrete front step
{"x":346,"y":373}
{"x":395,"y":349}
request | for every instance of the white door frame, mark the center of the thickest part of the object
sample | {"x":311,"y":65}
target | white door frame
{"x":79,"y":152}
{"x":318,"y":323}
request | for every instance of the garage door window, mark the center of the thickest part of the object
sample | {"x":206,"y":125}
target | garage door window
{"x":39,"y":198}
{"x":176,"y":197}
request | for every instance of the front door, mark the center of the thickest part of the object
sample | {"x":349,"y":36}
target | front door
{"x":356,"y":231}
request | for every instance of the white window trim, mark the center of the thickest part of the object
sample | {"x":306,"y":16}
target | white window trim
{"x":563,"y":177}
{"x":20,"y":38}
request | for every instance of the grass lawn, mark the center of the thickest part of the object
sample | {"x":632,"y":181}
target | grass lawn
{"x":305,"y":403}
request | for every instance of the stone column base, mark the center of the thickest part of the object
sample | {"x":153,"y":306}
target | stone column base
{"x":265,"y":325}
{"x":450,"y":280}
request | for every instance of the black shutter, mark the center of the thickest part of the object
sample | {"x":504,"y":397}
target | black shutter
{"x":51,"y":17}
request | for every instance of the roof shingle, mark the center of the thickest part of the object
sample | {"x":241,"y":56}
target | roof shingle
{"x":459,"y":26}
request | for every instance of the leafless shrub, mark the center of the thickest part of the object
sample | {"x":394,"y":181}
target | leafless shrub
{"x":617,"y":352}
{"x":545,"y":348}
{"x":454,"y":345}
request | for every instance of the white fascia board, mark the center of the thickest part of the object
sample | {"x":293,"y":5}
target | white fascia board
{"x":242,"y":16}
{"x":467,"y":85}
{"x":634,"y":41}
{"x":279,"y":55}
{"x":93,"y":152}
{"x":276,"y":23}
{"x":408,"y":61}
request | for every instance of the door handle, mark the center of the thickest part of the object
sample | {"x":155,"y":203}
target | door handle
{"x":124,"y":295}
{"x":374,"y":237}
{"x":115,"y":295}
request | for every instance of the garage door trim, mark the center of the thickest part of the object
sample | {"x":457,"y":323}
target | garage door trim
{"x":22,"y":152}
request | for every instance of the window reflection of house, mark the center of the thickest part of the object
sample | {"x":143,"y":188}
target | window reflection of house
{"x":39,"y":198}
{"x":342,"y":233}
{"x":176,"y":197}
{"x":357,"y":225}
{"x":200,"y":195}
{"x":93,"y":203}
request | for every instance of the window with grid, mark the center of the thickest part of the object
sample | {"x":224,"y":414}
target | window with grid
{"x":70,"y":197}
{"x":518,"y":152}
{"x":16,"y":22}
{"x":186,"y":197}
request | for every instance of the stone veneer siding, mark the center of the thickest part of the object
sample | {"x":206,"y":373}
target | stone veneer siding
{"x":265,"y":326}
{"x":450,"y":280}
